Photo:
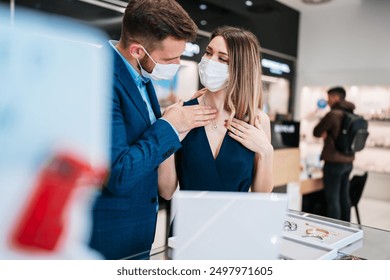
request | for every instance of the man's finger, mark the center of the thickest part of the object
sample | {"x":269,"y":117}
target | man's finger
{"x":205,"y":111}
{"x":201,"y":110}
{"x":198,"y":94}
{"x":201,"y":123}
{"x":205,"y":117}
{"x":201,"y":107}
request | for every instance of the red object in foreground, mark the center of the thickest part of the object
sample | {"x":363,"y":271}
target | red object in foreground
{"x":43,"y":219}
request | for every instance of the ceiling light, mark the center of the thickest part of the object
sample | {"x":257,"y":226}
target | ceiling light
{"x":203,"y":6}
{"x":248,"y":3}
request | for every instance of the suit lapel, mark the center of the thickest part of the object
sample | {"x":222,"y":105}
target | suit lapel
{"x":124,"y":77}
{"x":153,"y":99}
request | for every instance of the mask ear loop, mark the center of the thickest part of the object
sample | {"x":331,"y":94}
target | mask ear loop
{"x":139,"y":63}
{"x":136,"y":58}
{"x":148,"y":55}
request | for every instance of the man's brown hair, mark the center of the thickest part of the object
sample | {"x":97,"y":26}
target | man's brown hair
{"x":340,"y":91}
{"x":148,"y":22}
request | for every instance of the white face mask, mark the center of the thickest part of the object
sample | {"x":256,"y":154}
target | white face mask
{"x":160,"y":71}
{"x":213,"y":75}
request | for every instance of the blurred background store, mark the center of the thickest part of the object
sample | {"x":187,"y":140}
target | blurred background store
{"x":307,"y":47}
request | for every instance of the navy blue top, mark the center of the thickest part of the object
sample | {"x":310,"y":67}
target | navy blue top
{"x":231,"y":170}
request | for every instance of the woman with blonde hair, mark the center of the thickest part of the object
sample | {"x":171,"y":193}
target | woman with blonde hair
{"x":234,"y":151}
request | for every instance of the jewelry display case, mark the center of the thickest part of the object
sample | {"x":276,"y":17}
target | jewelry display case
{"x":318,"y":232}
{"x":374,"y":244}
{"x":292,"y":249}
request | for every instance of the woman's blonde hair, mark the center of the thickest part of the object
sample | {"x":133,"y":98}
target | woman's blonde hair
{"x":244,"y":89}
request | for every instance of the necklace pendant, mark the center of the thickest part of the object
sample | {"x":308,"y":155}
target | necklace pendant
{"x":214,"y":127}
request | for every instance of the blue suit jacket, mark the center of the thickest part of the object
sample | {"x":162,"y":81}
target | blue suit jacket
{"x":124,"y":215}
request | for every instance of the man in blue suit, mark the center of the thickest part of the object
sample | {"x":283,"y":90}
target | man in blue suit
{"x":154,"y":33}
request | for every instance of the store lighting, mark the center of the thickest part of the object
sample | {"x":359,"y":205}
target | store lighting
{"x":275,"y":67}
{"x":191,"y":49}
{"x":248,"y":3}
{"x":203,"y":6}
{"x":203,"y":22}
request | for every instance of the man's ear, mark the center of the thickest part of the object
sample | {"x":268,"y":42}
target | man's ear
{"x":136,"y":51}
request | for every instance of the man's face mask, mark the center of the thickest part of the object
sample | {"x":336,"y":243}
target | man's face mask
{"x":160,"y":71}
{"x":213,"y":75}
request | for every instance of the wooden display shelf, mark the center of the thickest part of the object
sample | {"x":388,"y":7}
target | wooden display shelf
{"x":286,"y":166}
{"x":311,"y":185}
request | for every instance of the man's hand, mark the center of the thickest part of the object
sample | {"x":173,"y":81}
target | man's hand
{"x":199,"y":93}
{"x":185,"y":118}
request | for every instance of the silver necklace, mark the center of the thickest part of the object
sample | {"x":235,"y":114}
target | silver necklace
{"x":214,"y":126}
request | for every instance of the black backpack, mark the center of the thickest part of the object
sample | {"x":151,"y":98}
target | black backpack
{"x":353,"y":134}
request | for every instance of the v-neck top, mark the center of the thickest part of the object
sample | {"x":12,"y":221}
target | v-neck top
{"x":231,"y":170}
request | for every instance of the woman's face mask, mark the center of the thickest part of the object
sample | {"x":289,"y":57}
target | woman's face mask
{"x":213,"y":75}
{"x":160,"y":71}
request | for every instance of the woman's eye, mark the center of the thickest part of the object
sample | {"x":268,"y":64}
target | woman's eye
{"x":223,"y":59}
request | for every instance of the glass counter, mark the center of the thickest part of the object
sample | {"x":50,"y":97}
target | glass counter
{"x":374,"y":245}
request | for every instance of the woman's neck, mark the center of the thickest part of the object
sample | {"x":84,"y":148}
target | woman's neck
{"x":215,"y":99}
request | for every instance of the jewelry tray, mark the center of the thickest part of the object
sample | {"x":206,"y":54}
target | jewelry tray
{"x":338,"y":236}
{"x":293,"y":249}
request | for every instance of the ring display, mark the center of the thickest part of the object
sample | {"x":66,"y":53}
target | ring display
{"x":314,"y":231}
{"x":317,"y":231}
{"x":290,"y":226}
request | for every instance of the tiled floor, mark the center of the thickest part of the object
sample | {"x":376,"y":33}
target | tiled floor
{"x":373,"y":213}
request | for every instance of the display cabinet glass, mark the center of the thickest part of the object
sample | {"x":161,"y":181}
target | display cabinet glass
{"x":362,"y":242}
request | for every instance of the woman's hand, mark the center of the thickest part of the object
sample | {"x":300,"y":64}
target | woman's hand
{"x":252,"y":137}
{"x":257,"y":138}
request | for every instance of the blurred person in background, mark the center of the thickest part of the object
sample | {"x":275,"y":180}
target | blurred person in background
{"x":233,"y":152}
{"x":154,"y":34}
{"x":338,"y":166}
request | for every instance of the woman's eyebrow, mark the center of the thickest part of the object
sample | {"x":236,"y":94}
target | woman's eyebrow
{"x":223,"y":53}
{"x":210,"y":48}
